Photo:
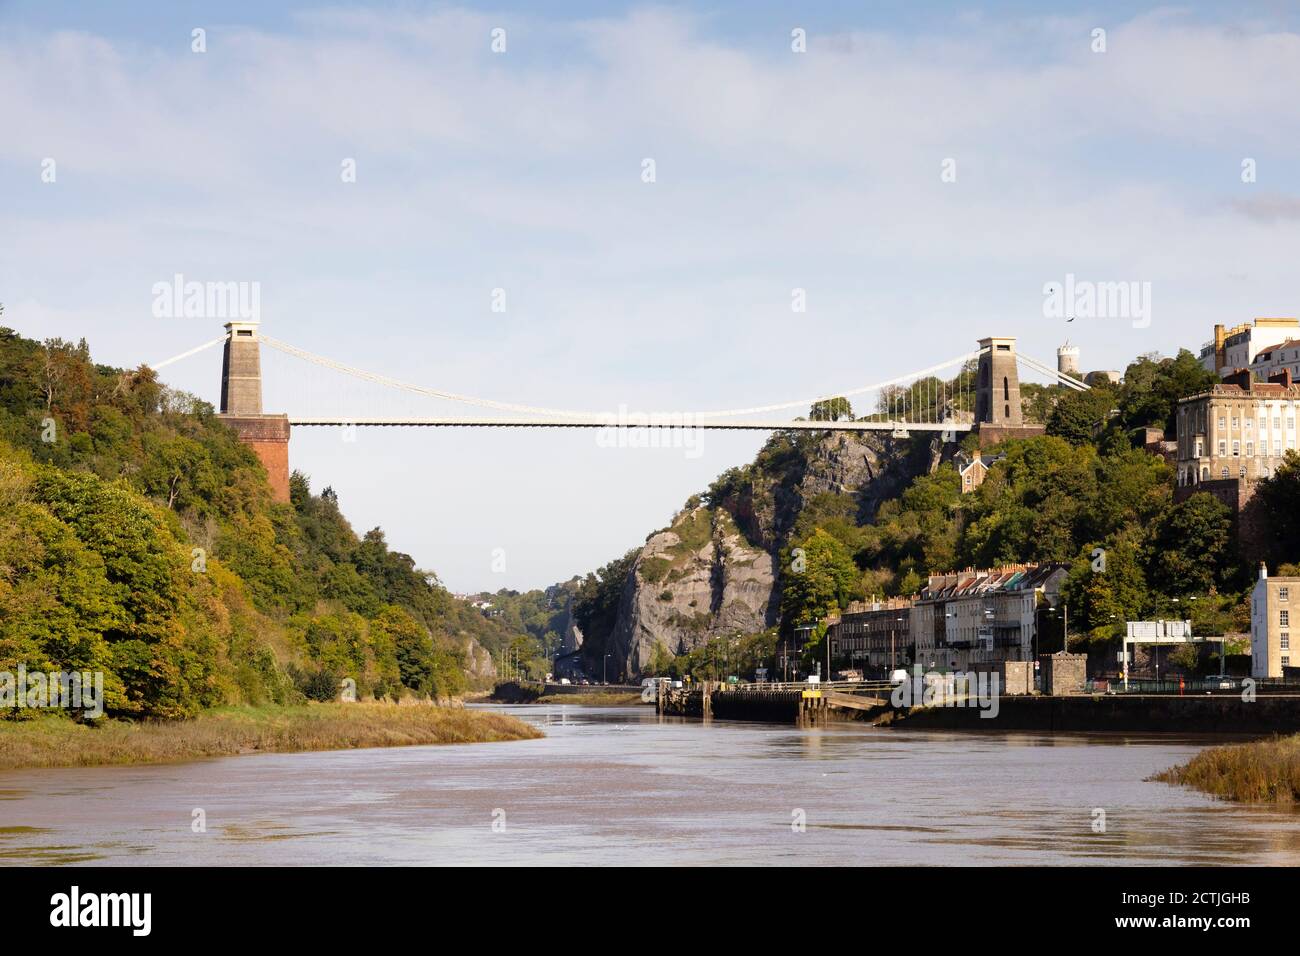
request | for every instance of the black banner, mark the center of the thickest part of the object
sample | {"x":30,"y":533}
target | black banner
{"x":169,"y":905}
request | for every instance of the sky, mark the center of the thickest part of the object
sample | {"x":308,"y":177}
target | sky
{"x":923,"y":172}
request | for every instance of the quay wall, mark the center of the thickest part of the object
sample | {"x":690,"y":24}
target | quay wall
{"x":1218,"y":713}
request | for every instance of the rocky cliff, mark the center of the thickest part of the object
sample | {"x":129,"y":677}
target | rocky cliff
{"x":716,"y":569}
{"x":479,"y":665}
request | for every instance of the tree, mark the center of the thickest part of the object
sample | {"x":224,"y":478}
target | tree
{"x":1191,"y":550}
{"x":1078,"y":415}
{"x":1152,"y":387}
{"x":1106,"y":587}
{"x":817,"y":579}
{"x":1279,"y":497}
{"x":831,"y":410}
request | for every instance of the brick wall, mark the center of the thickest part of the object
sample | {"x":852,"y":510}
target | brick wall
{"x":268,"y":436}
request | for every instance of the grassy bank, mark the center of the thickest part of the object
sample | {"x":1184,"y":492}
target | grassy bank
{"x":57,"y":742}
{"x":512,"y":692}
{"x":606,"y":699}
{"x":1265,"y":771}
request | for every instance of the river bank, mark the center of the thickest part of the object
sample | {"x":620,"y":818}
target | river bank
{"x":1263,"y":771}
{"x":609,"y":786}
{"x":58,"y":742}
{"x":513,"y":692}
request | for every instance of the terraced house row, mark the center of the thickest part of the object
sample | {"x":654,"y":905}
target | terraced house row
{"x":961,"y":620}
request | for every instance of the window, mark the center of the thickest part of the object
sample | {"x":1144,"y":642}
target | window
{"x":1236,"y":449}
{"x":1222,"y":422}
{"x":1250,"y":449}
{"x":1200,"y":449}
{"x":1277,"y":421}
{"x":1286,"y":640}
{"x":1284,"y":594}
{"x":1225,"y":473}
{"x":1234,"y":422}
{"x":1286,"y":660}
{"x":1223,"y":448}
{"x":1284,"y":617}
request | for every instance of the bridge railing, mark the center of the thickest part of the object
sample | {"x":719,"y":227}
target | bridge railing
{"x":845,"y":686}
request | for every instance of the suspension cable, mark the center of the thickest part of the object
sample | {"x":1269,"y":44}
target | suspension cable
{"x":194,"y":351}
{"x":571,"y":413}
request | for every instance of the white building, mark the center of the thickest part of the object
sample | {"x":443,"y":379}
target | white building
{"x":1283,"y":357}
{"x":1067,"y":359}
{"x":967,"y":618}
{"x":1270,"y":623}
{"x":1237,"y":347}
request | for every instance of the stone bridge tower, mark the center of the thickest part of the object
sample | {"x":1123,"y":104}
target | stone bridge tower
{"x":998,"y":414}
{"x":997,"y":389}
{"x":241,"y":406}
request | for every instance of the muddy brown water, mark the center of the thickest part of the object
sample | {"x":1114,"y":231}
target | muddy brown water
{"x":618,"y":785}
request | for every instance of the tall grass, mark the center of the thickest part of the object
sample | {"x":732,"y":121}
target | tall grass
{"x":605,"y":699}
{"x":58,"y":742}
{"x":1265,"y":771}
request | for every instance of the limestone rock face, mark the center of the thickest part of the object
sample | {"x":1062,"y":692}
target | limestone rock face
{"x":571,"y":640}
{"x":682,"y":592}
{"x":715,"y":570}
{"x":478,"y":661}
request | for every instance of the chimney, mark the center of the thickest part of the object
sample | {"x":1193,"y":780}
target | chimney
{"x":1241,"y":378}
{"x":1281,"y":377}
{"x":1263,"y":571}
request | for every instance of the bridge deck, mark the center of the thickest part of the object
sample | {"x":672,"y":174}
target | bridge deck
{"x":614,"y":422}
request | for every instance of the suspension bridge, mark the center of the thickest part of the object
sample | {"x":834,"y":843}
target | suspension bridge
{"x":978,"y":390}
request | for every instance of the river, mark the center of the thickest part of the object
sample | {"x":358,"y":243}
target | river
{"x":617,"y":785}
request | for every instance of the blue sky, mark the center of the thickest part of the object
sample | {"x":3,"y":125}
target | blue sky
{"x":522,"y":171}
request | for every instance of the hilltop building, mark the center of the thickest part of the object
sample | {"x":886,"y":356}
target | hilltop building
{"x":1240,"y":429}
{"x":1270,"y":623}
{"x":1231,"y":437}
{"x":973,"y":468}
{"x":973,"y":619}
{"x":1237,"y":347}
{"x":1103,"y":377}
{"x":1067,"y":359}
{"x":1277,"y":360}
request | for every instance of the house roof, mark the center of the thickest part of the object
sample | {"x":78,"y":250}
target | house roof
{"x":1015,"y":577}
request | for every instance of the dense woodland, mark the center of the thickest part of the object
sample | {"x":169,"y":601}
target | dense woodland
{"x":139,"y":539}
